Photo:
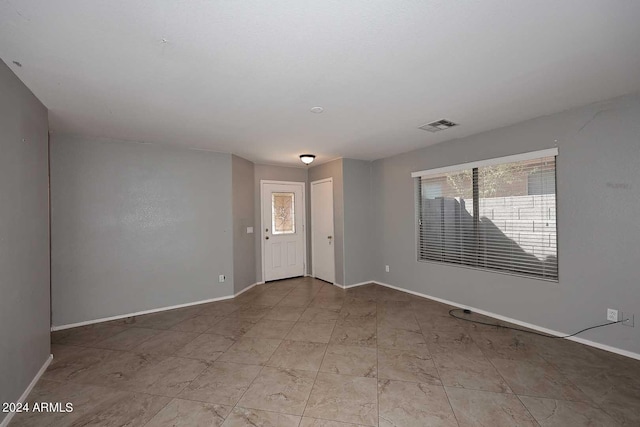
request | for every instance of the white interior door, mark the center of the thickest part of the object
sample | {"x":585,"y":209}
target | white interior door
{"x":283,"y":233}
{"x":322,"y":239}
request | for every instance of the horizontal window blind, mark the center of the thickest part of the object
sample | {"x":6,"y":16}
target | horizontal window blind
{"x":499,"y":217}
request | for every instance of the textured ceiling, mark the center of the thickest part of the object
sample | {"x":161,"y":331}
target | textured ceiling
{"x":241,"y":76}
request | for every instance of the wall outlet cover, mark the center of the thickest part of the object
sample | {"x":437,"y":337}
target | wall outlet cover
{"x":612,"y":315}
{"x":249,"y":230}
{"x":386,"y":268}
{"x":221,"y":278}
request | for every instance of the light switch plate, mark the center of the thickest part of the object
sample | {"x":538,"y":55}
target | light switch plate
{"x":249,"y":230}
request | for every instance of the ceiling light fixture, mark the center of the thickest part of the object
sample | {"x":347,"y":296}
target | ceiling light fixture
{"x":307,"y":158}
{"x":317,"y":110}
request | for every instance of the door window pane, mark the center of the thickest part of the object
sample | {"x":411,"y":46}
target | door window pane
{"x":283,"y":213}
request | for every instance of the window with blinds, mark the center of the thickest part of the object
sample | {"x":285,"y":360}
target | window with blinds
{"x":498,"y":215}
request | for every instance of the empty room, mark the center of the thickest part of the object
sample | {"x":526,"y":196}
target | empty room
{"x":319,"y":213}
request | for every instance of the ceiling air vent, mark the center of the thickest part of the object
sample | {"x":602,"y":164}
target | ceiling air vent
{"x":438,"y":125}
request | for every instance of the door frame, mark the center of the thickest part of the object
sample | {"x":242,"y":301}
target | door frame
{"x":333,"y":233}
{"x":304,"y":222}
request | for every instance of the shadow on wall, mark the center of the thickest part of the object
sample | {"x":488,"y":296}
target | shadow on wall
{"x":529,"y":263}
{"x":458,"y":239}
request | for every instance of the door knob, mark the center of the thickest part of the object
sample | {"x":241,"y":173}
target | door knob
{"x":266,"y":237}
{"x":329,"y":237}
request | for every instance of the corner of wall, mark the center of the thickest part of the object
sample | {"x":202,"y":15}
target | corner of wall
{"x":243,"y":214}
{"x":24,"y":228}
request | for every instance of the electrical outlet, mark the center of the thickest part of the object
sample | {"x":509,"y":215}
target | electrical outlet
{"x":627,"y":319}
{"x":386,"y":268}
{"x":612,"y":315}
{"x":221,"y":278}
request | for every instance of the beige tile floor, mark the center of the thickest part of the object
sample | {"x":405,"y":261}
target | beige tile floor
{"x":301,"y":352}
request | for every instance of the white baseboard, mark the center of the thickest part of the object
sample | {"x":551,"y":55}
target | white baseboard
{"x":32,"y":384}
{"x":518,"y":322}
{"x":358,"y":284}
{"x":442,"y":300}
{"x":154,"y":310}
{"x":246,"y":289}
{"x":352,"y":286}
{"x":140,"y":313}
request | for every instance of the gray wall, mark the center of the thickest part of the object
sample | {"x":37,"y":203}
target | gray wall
{"x":333,"y":170}
{"x":24,"y":237}
{"x":358,"y":221}
{"x":244,"y":254}
{"x":275,"y":173}
{"x":136,"y":227}
{"x":598,"y":234}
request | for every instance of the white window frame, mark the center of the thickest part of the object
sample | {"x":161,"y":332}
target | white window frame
{"x":489,"y":162}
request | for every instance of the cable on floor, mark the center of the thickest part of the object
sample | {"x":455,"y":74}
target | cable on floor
{"x":524,"y":330}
